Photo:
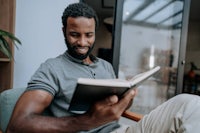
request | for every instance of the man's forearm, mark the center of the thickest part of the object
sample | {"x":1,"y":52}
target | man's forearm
{"x":46,"y":124}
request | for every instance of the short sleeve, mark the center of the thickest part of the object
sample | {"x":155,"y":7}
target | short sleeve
{"x":45,"y":78}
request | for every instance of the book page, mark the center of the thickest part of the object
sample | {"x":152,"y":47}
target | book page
{"x":118,"y":82}
{"x":104,"y":82}
{"x":143,"y":76}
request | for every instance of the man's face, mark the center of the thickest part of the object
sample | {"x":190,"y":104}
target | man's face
{"x":80,"y":36}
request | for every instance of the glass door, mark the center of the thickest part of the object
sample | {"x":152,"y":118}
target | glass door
{"x":150,"y":35}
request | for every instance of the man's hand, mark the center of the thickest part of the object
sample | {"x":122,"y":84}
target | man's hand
{"x":109,"y":109}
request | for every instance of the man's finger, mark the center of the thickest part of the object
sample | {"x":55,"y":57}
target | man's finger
{"x":127,"y":97}
{"x":109,"y":100}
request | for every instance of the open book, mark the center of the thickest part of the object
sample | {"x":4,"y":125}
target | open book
{"x":89,"y":91}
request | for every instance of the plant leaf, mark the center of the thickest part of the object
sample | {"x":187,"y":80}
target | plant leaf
{"x":4,"y":45}
{"x":10,"y":36}
{"x":5,"y":48}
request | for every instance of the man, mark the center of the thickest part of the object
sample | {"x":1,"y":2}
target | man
{"x":54,"y":82}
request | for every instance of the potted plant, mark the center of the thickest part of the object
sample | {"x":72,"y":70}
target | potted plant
{"x":4,"y":44}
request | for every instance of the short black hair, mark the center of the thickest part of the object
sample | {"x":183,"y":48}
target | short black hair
{"x":79,"y":10}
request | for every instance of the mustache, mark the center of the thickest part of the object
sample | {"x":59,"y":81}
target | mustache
{"x":78,"y":46}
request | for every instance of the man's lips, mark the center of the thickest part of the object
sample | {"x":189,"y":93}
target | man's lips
{"x":82,"y":50}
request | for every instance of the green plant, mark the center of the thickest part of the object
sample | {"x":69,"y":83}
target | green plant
{"x":4,"y":43}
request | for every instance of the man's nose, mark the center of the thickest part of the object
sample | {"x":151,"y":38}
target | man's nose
{"x":82,"y":41}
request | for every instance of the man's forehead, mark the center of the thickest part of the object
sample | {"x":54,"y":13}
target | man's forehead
{"x":80,"y":21}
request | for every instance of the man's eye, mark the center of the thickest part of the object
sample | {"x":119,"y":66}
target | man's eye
{"x":74,"y":35}
{"x":89,"y":35}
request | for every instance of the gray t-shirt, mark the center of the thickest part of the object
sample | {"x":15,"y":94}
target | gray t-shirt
{"x":59,"y":76}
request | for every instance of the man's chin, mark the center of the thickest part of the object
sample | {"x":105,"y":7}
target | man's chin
{"x":79,"y":56}
{"x":78,"y":53}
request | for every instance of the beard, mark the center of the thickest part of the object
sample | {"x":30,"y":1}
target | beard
{"x":73,"y":53}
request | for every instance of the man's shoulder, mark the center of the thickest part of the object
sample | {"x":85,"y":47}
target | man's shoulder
{"x":53,"y":63}
{"x":103,"y":61}
{"x":56,"y":60}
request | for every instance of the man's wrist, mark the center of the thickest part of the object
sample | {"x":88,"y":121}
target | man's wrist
{"x":81,"y":122}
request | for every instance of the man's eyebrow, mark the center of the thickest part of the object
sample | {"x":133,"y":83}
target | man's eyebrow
{"x":73,"y":32}
{"x":90,"y":32}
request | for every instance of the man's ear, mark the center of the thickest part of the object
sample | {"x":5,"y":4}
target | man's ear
{"x":64,"y":31}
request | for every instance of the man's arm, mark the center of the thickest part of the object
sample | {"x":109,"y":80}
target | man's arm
{"x":27,"y":115}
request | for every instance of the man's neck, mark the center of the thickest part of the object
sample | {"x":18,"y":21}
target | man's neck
{"x":87,"y":60}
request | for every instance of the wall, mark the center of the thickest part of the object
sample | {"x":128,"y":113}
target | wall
{"x":39,"y":27}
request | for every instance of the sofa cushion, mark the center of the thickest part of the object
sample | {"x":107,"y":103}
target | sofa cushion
{"x":8,"y":99}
